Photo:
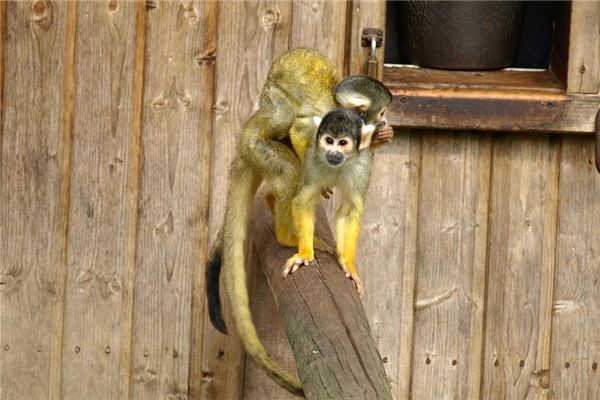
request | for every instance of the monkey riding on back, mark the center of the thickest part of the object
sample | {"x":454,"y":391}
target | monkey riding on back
{"x":301,"y":85}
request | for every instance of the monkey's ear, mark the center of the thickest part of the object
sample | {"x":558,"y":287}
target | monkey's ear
{"x":317,"y":120}
{"x":353,"y":100}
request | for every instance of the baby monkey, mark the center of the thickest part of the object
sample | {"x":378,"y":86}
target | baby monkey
{"x":338,"y":158}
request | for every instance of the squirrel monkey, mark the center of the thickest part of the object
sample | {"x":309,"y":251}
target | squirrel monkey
{"x":336,"y":159}
{"x":301,"y":84}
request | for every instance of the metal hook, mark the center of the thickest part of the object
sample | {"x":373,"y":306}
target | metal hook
{"x":373,"y":47}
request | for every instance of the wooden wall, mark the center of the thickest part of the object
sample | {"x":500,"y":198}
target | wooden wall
{"x":480,"y":252}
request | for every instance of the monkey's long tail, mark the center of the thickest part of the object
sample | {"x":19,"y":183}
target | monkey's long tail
{"x":239,"y":206}
{"x":213,"y":274}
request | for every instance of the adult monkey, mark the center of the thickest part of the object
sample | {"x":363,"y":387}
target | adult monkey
{"x":301,"y":85}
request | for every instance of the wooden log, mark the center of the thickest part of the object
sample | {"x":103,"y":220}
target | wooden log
{"x":324,"y":319}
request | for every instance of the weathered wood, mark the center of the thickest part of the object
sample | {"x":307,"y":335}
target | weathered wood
{"x":251,"y":34}
{"x":450,"y":287}
{"x":34,"y":150}
{"x":324,"y":319}
{"x":386,"y":257}
{"x":172,"y":200}
{"x":409,"y":77}
{"x":583,"y":74}
{"x":495,"y":110}
{"x":365,"y":14}
{"x":205,"y":58}
{"x":321,"y":25}
{"x":576,"y":318}
{"x":522,"y":248}
{"x":102,"y":219}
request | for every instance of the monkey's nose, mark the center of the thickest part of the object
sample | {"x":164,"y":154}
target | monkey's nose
{"x":334,"y":158}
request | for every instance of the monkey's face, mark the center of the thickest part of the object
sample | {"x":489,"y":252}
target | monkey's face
{"x":375,"y":116}
{"x":336,"y":148}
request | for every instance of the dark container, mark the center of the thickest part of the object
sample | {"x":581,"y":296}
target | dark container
{"x":465,"y":35}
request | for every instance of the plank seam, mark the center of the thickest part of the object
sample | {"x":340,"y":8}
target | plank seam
{"x":66,"y":158}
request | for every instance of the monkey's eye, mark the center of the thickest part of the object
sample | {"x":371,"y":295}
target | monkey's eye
{"x":329,"y":140}
{"x":343,"y":142}
{"x":382,"y":112}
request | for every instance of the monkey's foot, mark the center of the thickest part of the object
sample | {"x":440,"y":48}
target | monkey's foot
{"x":323,"y":246}
{"x":295,"y":262}
{"x":357,"y":283}
{"x":353,"y":276}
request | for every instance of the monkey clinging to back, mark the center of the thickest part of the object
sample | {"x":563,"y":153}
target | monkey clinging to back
{"x":301,"y":84}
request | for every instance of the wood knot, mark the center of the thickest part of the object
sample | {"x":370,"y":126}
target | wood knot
{"x":7,"y":282}
{"x":184,"y":100}
{"x":86,"y":280}
{"x":543,"y":378}
{"x":39,"y":8}
{"x":146,"y":376}
{"x":165,"y":228}
{"x":159,"y":103}
{"x":151,"y":4}
{"x":189,"y":13}
{"x":208,"y":58}
{"x":270,"y":18}
{"x":207,"y":376}
{"x":221,"y":107}
{"x":42,"y":14}
{"x":113,"y":6}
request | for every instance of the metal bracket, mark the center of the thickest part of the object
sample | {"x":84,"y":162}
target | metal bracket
{"x":368,"y":34}
{"x":598,"y":140}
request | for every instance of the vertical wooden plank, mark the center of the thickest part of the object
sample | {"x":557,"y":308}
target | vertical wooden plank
{"x":205,"y":58}
{"x":133,"y":191}
{"x":522,"y":250}
{"x":366,"y":14}
{"x":583,"y":75}
{"x":33,"y":200}
{"x":451,"y":261}
{"x":321,"y":25}
{"x":387,"y":254}
{"x":2,"y":40}
{"x":102,"y":220}
{"x":251,"y":34}
{"x":171,"y":196}
{"x":574,"y":372}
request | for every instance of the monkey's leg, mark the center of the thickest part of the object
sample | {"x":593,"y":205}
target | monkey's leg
{"x":347,"y":229}
{"x":280,"y":168}
{"x":303,"y":210}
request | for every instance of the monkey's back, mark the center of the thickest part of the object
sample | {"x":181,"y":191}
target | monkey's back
{"x":307,"y":77}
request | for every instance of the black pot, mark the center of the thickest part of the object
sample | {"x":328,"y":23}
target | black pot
{"x":459,"y":34}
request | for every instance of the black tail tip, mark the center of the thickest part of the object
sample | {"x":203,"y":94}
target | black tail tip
{"x":213,"y":273}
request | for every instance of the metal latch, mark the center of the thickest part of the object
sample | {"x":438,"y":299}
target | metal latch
{"x":372,"y":37}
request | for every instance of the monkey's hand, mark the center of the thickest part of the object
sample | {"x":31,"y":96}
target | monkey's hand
{"x":295,"y":262}
{"x":383,"y":135}
{"x":353,"y":276}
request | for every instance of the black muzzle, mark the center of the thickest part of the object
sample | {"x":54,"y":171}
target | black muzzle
{"x":334,"y":158}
